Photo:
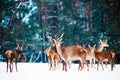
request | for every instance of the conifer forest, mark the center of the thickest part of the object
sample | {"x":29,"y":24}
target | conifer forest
{"x":83,"y":22}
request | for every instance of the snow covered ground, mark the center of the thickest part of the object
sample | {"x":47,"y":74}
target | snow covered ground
{"x":40,"y":71}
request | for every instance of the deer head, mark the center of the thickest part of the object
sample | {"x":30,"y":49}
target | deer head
{"x":58,"y":40}
{"x":50,"y":39}
{"x":53,"y":40}
{"x":103,"y":43}
{"x":20,"y":47}
{"x":92,"y":49}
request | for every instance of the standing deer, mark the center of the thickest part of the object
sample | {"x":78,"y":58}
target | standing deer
{"x":13,"y":56}
{"x":103,"y":56}
{"x":101,"y":46}
{"x":90,"y":56}
{"x":23,"y":57}
{"x":53,"y":56}
{"x":70,"y":53}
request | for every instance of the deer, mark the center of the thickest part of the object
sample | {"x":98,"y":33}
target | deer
{"x":70,"y":53}
{"x":23,"y":58}
{"x":53,"y":56}
{"x":103,"y":56}
{"x":90,"y":56}
{"x":13,"y":56}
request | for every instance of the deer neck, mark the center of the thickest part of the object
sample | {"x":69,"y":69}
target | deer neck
{"x":59,"y":50}
{"x":18,"y":51}
{"x":100,"y":48}
{"x":54,"y":48}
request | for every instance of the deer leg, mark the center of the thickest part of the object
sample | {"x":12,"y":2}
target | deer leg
{"x":111,"y":61}
{"x":64,"y":65}
{"x":7,"y":65}
{"x":94,"y":63}
{"x":10,"y":66}
{"x":58,"y":64}
{"x":82,"y":65}
{"x":55,"y":65}
{"x":79,"y":65}
{"x":112,"y":65}
{"x":87,"y":65}
{"x":105,"y":64}
{"x":50,"y":62}
{"x":102,"y":65}
{"x":98,"y":65}
{"x":91,"y":62}
{"x":16,"y":66}
{"x":55,"y":62}
{"x":69,"y":63}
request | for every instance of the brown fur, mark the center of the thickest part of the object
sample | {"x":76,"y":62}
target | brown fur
{"x":23,"y":58}
{"x":105,"y":56}
{"x":71,"y":53}
{"x":53,"y":57}
{"x":68,"y":53}
{"x":13,"y":56}
{"x":90,"y":56}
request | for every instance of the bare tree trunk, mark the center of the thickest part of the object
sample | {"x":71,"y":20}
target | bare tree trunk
{"x":89,"y":16}
{"x":14,"y":11}
{"x":45,"y":9}
{"x":85,"y":12}
{"x":40,"y":16}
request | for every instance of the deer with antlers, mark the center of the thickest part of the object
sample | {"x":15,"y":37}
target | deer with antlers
{"x":13,"y":56}
{"x":103,"y":56}
{"x":70,"y":53}
{"x":53,"y":56}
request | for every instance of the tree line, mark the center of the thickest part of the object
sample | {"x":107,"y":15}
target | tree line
{"x":83,"y":22}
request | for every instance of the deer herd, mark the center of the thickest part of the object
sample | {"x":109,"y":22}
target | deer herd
{"x":78,"y":53}
{"x":57,"y":53}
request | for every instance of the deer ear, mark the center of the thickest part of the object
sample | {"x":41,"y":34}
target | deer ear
{"x":101,"y":41}
{"x":54,"y":40}
{"x":22,"y":45}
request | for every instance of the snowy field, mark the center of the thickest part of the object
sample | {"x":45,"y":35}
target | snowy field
{"x":40,"y":71}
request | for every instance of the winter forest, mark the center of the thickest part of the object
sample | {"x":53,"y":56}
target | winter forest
{"x":83,"y":22}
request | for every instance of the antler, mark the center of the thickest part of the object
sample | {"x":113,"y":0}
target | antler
{"x":60,"y":36}
{"x":50,"y":38}
{"x":94,"y":45}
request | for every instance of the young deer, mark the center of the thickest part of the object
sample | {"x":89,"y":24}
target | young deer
{"x":53,"y":56}
{"x":23,"y":58}
{"x":13,"y":56}
{"x":70,"y":53}
{"x":103,"y":56}
{"x":99,"y":49}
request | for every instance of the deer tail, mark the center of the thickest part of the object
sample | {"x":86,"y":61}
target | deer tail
{"x":113,"y":54}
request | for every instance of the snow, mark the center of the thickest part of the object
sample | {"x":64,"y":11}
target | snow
{"x":40,"y":71}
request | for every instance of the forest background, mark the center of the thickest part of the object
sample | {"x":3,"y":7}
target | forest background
{"x":83,"y":22}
